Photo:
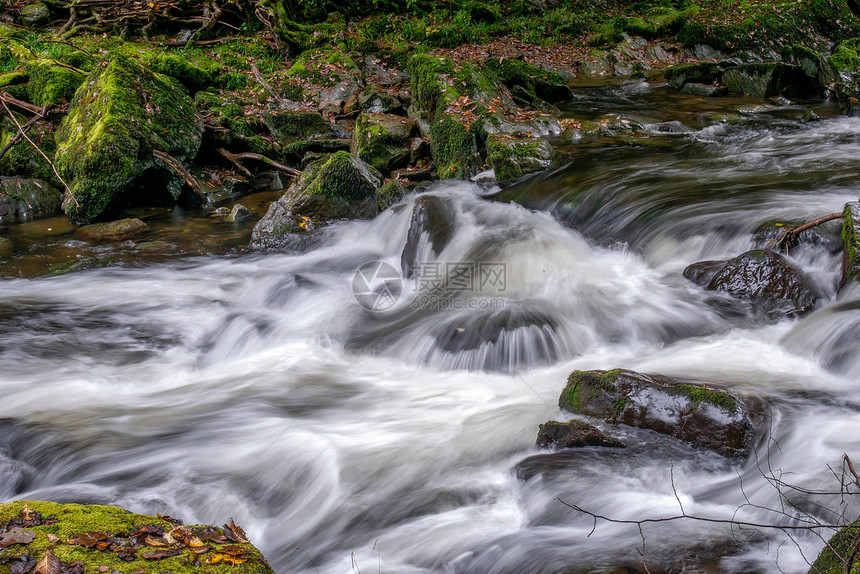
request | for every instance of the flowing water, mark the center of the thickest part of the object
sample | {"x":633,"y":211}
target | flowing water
{"x":400,"y":439}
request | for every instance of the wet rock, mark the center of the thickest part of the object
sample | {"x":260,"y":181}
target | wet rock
{"x":701,"y":73}
{"x":119,"y":230}
{"x":23,"y":198}
{"x":826,"y":236}
{"x":851,"y":242}
{"x":419,"y":150}
{"x":839,"y":554}
{"x":554,"y":434}
{"x":383,"y":140}
{"x":539,"y":126}
{"x":105,"y":142}
{"x":816,"y":68}
{"x":767,"y":79}
{"x":414,"y":175}
{"x":708,"y":91}
{"x":375,"y":101}
{"x":765,"y":278}
{"x":317,"y":146}
{"x":294,"y":126}
{"x":513,"y":158}
{"x":35,"y":15}
{"x":454,"y":148}
{"x":391,"y":192}
{"x":700,"y":416}
{"x":432,"y":222}
{"x":239,"y":213}
{"x":377,"y":72}
{"x":6,"y":247}
{"x":535,"y":87}
{"x":228,"y":188}
{"x":336,"y":186}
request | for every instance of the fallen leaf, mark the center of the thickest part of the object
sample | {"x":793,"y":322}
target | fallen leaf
{"x":90,"y":540}
{"x":52,"y":538}
{"x":169,"y":519}
{"x":201,"y":549}
{"x":23,"y":566}
{"x":127,"y":554}
{"x":16,"y":536}
{"x":50,"y":564}
{"x":161,"y":554}
{"x":151,"y":540}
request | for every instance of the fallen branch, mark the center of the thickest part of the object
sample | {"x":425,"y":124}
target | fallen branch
{"x":7,"y":98}
{"x":790,"y":235}
{"x":186,"y":175}
{"x":17,"y":137}
{"x":278,"y":97}
{"x":21,"y":130}
{"x":291,"y":171}
{"x":232,"y":159}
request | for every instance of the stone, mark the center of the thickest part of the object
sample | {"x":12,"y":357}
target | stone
{"x":294,"y":126}
{"x":377,"y":72}
{"x":389,"y":193}
{"x":35,"y":15}
{"x":512,"y":157}
{"x":766,"y":279}
{"x":6,"y":247}
{"x":340,"y":98}
{"x":239,"y":213}
{"x":374,"y":100}
{"x":193,"y":77}
{"x":454,"y":148}
{"x":25,"y":198}
{"x":537,"y":85}
{"x":52,"y":84}
{"x":383,"y":140}
{"x":707,"y":91}
{"x":432,"y":224}
{"x":105,"y":142}
{"x":851,"y":242}
{"x":701,"y":416}
{"x":22,"y":159}
{"x":767,"y":79}
{"x":699,"y":73}
{"x":419,"y":149}
{"x":119,"y":230}
{"x":554,"y":434}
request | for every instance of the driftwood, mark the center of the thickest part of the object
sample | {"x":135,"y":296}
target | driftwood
{"x":235,"y":157}
{"x":782,"y":242}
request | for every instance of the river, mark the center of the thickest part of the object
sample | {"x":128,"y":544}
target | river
{"x":396,"y":435}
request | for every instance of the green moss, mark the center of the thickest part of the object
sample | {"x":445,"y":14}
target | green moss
{"x":698,"y":395}
{"x":536,"y":85}
{"x":430,"y":93}
{"x":391,"y":192}
{"x":193,"y":77}
{"x":579,"y":380}
{"x":106,"y":140}
{"x":13,"y":79}
{"x":77,"y":519}
{"x":512,"y":157}
{"x":22,"y":160}
{"x":52,"y":84}
{"x":851,"y":241}
{"x":454,"y":148}
{"x":343,"y":176}
{"x":844,"y":59}
{"x":838,"y":549}
{"x":383,"y":140}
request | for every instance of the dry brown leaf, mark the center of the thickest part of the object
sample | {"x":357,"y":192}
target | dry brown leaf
{"x":53,"y":538}
{"x":151,"y":540}
{"x":49,"y":564}
{"x":161,"y":554}
{"x":16,"y":536}
{"x":89,"y":539}
{"x":237,"y":532}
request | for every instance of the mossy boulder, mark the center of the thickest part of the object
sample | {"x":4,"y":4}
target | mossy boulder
{"x":119,"y":230}
{"x":851,"y":242}
{"x":839,"y":554}
{"x":698,"y":415}
{"x":513,"y":157}
{"x":382,"y":140}
{"x":770,"y":282}
{"x":22,"y":159}
{"x":92,"y":538}
{"x":768,"y":79}
{"x":389,"y":193}
{"x":699,"y":73}
{"x":820,"y":72}
{"x":35,"y":15}
{"x":337,"y":186}
{"x":24,"y":198}
{"x":190,"y":75}
{"x":554,"y":434}
{"x":105,"y":143}
{"x":294,"y":126}
{"x":454,"y":148}
{"x":533,"y":85}
{"x":52,"y":84}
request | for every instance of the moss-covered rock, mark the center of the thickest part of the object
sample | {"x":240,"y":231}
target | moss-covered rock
{"x":35,"y":15}
{"x":121,"y":114}
{"x":554,"y":434}
{"x":119,"y":230}
{"x":838,"y":551}
{"x":193,"y":77}
{"x":454,"y":148}
{"x":389,"y":193}
{"x":52,"y":84}
{"x":294,"y":126}
{"x":534,"y":85}
{"x":819,"y":71}
{"x":701,"y":416}
{"x":513,"y":157}
{"x":699,"y":73}
{"x":22,"y":159}
{"x":24,"y":198}
{"x":768,"y":79}
{"x":337,"y":186}
{"x":108,"y":538}
{"x":382,"y":140}
{"x":851,"y":242}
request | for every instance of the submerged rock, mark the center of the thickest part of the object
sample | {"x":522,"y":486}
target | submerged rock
{"x":116,"y":120}
{"x":706,"y":90}
{"x":239,"y":213}
{"x":112,"y":230}
{"x":851,"y":242}
{"x":765,"y":278}
{"x":700,"y":416}
{"x":92,"y":538}
{"x":700,"y":73}
{"x":6,"y":247}
{"x":554,"y":434}
{"x":20,"y":197}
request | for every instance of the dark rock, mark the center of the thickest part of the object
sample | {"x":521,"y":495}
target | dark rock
{"x":391,"y":192}
{"x":105,"y":142}
{"x":554,"y":434}
{"x":294,"y":126}
{"x":765,"y":278}
{"x":819,"y":71}
{"x":698,"y":415}
{"x":414,"y":175}
{"x":419,"y":149}
{"x":825,"y":236}
{"x":432,"y":222}
{"x":377,"y":72}
{"x":35,"y":15}
{"x":536,"y":86}
{"x":25,"y":198}
{"x":702,"y":272}
{"x":513,"y":158}
{"x":119,"y":230}
{"x":383,"y":140}
{"x":239,"y":213}
{"x":318,"y":146}
{"x":768,"y":79}
{"x":851,"y":242}
{"x":701,"y":73}
{"x":342,"y":98}
{"x":708,"y":91}
{"x":229,"y":188}
{"x":375,"y":101}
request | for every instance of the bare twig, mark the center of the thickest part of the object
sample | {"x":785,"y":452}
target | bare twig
{"x":278,"y":97}
{"x":186,"y":175}
{"x":790,"y":235}
{"x":17,"y":137}
{"x":232,"y":159}
{"x":279,"y":166}
{"x":7,"y":98}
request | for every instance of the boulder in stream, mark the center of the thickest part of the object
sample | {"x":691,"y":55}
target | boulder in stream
{"x":514,"y":157}
{"x":23,"y":198}
{"x":119,"y":230}
{"x":701,"y":416}
{"x":383,"y":140}
{"x":765,"y":278}
{"x":51,"y":537}
{"x":767,"y":79}
{"x":554,"y":434}
{"x":851,"y":242}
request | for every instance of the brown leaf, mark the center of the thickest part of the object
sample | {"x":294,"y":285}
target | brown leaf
{"x":201,"y":549}
{"x":26,"y":513}
{"x":238,"y":535}
{"x":170,"y":519}
{"x":151,"y":540}
{"x":161,"y":554}
{"x":127,"y":554}
{"x":88,"y":539}
{"x":50,"y":564}
{"x":52,"y":538}
{"x":23,"y":566}
{"x":16,"y":536}
{"x":211,"y":535}
{"x":233,"y":550}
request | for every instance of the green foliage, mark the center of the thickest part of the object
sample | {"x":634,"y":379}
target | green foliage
{"x":844,"y":59}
